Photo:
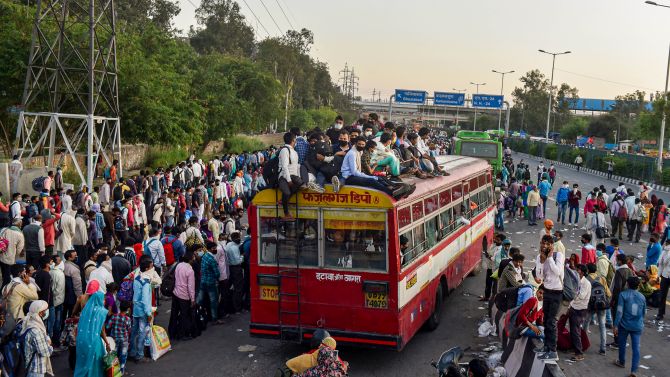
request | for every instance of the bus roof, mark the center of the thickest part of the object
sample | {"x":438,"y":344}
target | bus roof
{"x":458,"y":167}
{"x":473,"y":135}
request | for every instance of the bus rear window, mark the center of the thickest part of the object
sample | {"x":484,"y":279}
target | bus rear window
{"x":293,"y":238}
{"x":355,"y":240}
{"x":483,"y":150}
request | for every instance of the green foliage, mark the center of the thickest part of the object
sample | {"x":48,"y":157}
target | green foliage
{"x":323,"y":117}
{"x":530,"y":103}
{"x":665,"y":177}
{"x":604,"y":126}
{"x":223,"y":29}
{"x":577,"y":126}
{"x":239,"y":144}
{"x":551,"y":151}
{"x":164,"y":156}
{"x":301,"y":119}
{"x":534,"y":149}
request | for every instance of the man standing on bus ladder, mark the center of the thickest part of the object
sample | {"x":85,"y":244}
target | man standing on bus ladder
{"x":292,"y":176}
{"x":549,"y":271}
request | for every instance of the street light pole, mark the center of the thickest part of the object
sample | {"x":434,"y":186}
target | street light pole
{"x":458,"y":107}
{"x":551,"y":85}
{"x":474,"y":126}
{"x":502,"y":86}
{"x":659,"y":164}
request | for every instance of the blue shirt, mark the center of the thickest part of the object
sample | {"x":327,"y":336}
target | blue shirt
{"x":349,"y":166}
{"x":525,"y":293}
{"x":630,"y":310}
{"x":209,"y":270}
{"x":141,"y":297}
{"x":653,"y":253}
{"x":301,"y":147}
{"x":544,"y":188}
{"x":233,"y":256}
{"x":562,"y":195}
{"x":610,"y":250}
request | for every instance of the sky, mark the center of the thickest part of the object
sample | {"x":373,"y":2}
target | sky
{"x":617,"y":46}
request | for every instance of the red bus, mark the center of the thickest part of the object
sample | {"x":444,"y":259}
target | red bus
{"x":340,"y":267}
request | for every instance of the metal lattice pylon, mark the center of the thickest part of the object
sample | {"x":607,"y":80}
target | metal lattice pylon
{"x":71,"y":91}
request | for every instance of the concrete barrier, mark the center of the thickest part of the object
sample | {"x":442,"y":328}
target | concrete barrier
{"x":519,"y":360}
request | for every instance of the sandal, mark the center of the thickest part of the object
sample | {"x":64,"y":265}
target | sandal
{"x":577,"y":358}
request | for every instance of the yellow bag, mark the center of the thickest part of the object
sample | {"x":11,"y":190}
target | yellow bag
{"x":160,"y":342}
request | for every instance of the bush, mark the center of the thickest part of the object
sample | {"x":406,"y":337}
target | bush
{"x":665,"y":177}
{"x":322,"y":117}
{"x":164,"y":156}
{"x":239,"y":144}
{"x":533,"y":150}
{"x":551,"y":152}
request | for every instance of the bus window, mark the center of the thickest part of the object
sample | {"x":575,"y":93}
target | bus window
{"x":431,"y":232}
{"x":301,"y":234}
{"x":406,"y":253}
{"x":355,"y":240}
{"x":447,"y":222}
{"x":420,"y":243}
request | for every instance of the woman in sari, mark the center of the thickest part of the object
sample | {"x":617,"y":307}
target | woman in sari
{"x":648,"y":209}
{"x":91,"y":338}
{"x":659,"y":219}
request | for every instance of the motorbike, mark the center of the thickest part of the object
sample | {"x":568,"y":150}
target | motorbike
{"x":449,"y":363}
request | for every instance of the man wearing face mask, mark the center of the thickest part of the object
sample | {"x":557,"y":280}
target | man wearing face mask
{"x":58,"y":289}
{"x":235,"y":259}
{"x":38,"y":348}
{"x":209,"y":280}
{"x":334,"y":131}
{"x":562,"y":201}
{"x":43,"y":280}
{"x":73,"y":286}
{"x":368,"y":131}
{"x":574,"y":197}
{"x":351,"y":172}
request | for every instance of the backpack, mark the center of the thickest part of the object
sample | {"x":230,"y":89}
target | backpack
{"x":117,"y":193}
{"x":598,"y":300}
{"x":507,"y":298}
{"x":4,"y":242}
{"x":193,"y":240}
{"x":168,"y":248}
{"x":271,"y":170}
{"x":38,"y":183}
{"x":570,"y":284}
{"x":119,"y":224}
{"x":623,"y":213}
{"x":126,"y":289}
{"x":169,"y":281}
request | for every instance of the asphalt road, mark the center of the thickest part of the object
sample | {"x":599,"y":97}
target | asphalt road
{"x":228,"y":350}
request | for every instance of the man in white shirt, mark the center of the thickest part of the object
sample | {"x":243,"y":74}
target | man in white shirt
{"x":578,"y":312}
{"x":15,"y":207}
{"x":291,"y":174}
{"x":80,"y":237}
{"x":549,"y":269}
{"x":103,"y":274}
{"x":15,"y":170}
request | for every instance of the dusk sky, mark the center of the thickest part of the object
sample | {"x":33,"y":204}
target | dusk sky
{"x":617,"y":46}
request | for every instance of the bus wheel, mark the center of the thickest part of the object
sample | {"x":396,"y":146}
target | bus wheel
{"x":434,"y":319}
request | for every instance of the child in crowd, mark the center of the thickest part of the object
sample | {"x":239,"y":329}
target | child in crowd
{"x":118,"y":327}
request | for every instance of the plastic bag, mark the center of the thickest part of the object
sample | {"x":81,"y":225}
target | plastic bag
{"x":160,"y":342}
{"x":494,"y":360}
{"x":112,"y":365}
{"x":499,"y":372}
{"x":485,"y":329}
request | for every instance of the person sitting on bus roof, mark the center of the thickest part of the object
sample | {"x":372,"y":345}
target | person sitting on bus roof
{"x":339,"y":144}
{"x":424,"y":164}
{"x":292,"y":175}
{"x":322,"y":162}
{"x":384,"y":157}
{"x":424,"y":137}
{"x":353,"y":175}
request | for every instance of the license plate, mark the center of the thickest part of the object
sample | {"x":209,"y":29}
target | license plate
{"x":376,"y":300}
{"x":269,"y":292}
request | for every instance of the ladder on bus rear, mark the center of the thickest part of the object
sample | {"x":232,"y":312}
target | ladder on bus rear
{"x":288,"y":300}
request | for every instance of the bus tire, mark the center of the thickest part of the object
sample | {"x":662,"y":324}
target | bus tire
{"x":434,"y":319}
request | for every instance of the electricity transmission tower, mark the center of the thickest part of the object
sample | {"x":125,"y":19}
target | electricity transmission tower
{"x":70,"y":99}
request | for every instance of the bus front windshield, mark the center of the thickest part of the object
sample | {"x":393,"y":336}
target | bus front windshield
{"x":482,"y":150}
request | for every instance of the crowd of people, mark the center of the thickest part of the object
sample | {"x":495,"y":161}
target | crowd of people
{"x":84,"y":271}
{"x":599,"y":286}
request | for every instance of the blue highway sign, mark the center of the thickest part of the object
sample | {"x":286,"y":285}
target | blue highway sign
{"x":410,"y":96}
{"x":487,"y":100}
{"x":451,"y":99}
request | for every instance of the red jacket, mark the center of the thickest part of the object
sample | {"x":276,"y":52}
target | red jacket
{"x":50,"y":230}
{"x":529,"y":313}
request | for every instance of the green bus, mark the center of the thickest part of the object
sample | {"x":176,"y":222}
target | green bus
{"x":479,"y":144}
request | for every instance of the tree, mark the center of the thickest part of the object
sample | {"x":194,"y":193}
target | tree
{"x":301,"y":40}
{"x":604,"y":126}
{"x":140,"y":13}
{"x":223,"y":29}
{"x":577,"y":126}
{"x":531,"y":100}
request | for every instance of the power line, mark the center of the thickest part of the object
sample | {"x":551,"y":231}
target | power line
{"x":606,"y":80}
{"x":290,"y":13}
{"x":272,"y":17}
{"x":256,"y":17}
{"x":284,"y":13}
